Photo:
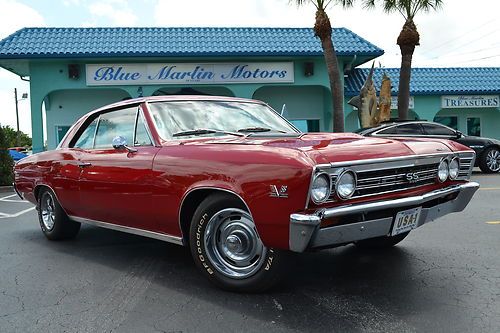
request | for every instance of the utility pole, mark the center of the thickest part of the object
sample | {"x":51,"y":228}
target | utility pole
{"x":17,"y":118}
{"x":18,"y":133}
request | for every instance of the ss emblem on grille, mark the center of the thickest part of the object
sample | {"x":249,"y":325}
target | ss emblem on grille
{"x":412,"y":177}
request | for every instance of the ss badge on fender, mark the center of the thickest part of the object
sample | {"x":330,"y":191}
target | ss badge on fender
{"x":281,"y":193}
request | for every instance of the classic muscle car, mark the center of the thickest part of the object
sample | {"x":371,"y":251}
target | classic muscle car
{"x":238,"y":184}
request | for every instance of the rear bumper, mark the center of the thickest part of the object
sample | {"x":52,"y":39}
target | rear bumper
{"x":305,"y":231}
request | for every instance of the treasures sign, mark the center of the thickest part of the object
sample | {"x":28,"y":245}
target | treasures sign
{"x":470,"y":101}
{"x":182,"y":73}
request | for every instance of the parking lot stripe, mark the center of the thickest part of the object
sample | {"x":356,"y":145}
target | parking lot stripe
{"x":489,"y":188}
{"x":9,"y":196}
{"x":5,"y":216}
{"x":493,"y":222}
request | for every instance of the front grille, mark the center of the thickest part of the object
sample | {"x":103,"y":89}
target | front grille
{"x":393,"y":175}
{"x":398,"y":179}
{"x":467,"y":160}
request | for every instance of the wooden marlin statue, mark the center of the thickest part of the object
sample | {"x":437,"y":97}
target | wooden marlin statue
{"x":384,"y":104}
{"x":366,"y":102}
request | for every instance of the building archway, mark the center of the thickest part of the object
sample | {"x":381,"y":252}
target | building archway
{"x":64,"y":107}
{"x":194,"y":90}
{"x":305,"y":105}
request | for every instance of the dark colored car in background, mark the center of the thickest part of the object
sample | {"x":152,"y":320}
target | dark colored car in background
{"x":487,"y":150}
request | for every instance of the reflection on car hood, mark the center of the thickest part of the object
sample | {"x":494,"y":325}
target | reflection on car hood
{"x":335,"y":147}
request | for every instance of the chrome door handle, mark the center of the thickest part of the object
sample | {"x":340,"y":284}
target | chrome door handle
{"x":84,"y":164}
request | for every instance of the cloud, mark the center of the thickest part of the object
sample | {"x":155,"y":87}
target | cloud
{"x":15,"y":15}
{"x":112,"y":12}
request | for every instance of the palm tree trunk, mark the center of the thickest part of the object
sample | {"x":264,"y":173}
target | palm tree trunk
{"x":404,"y":83}
{"x":336,"y":85}
{"x":408,"y":39}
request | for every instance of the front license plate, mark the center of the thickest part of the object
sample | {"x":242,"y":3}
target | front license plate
{"x":406,"y":221}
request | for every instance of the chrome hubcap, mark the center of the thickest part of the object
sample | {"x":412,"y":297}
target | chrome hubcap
{"x":233,"y":245}
{"x":48,"y":211}
{"x":493,"y":160}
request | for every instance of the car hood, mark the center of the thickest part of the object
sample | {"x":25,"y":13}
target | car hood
{"x":337,"y":147}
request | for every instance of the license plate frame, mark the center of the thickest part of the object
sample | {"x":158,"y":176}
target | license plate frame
{"x":406,"y":220}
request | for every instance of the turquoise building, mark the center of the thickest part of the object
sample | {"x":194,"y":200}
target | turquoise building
{"x":74,"y":70}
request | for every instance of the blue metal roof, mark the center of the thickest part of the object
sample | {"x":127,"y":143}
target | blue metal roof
{"x":432,"y":81}
{"x":138,"y":42}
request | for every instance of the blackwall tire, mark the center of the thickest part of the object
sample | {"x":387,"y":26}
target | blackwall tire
{"x":54,"y":222}
{"x":227,"y":249}
{"x":383,"y":242}
{"x":489,"y":161}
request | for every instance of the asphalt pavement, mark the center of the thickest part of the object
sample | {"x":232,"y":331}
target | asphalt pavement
{"x":444,"y":277}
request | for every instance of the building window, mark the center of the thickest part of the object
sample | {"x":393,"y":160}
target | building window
{"x":306,"y":125}
{"x":450,"y":121}
{"x":474,"y":126}
{"x":61,"y":132}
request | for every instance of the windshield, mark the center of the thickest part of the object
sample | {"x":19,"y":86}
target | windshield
{"x":176,"y":117}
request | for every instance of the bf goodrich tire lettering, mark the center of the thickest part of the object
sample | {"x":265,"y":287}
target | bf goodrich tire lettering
{"x":227,"y":249}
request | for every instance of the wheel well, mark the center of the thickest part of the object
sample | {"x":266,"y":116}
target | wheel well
{"x":37,"y":190}
{"x":191,"y":202}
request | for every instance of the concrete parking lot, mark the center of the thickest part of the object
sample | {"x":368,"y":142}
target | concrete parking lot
{"x":445,"y":277}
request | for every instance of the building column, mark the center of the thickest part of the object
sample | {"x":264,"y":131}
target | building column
{"x":36,"y":100}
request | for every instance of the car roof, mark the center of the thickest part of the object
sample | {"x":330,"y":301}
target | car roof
{"x":167,"y":98}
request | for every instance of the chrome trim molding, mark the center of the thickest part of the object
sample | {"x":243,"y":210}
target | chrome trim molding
{"x":387,"y":159}
{"x":305,"y":229}
{"x":130,"y":230}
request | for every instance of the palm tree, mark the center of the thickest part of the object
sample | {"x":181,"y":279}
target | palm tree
{"x":408,"y":39}
{"x":323,"y":30}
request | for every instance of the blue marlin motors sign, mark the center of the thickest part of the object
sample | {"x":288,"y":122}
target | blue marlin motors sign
{"x":188,"y":73}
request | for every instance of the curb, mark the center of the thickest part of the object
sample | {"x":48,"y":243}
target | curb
{"x":5,"y":189}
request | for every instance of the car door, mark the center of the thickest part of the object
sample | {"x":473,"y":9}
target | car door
{"x":115,"y":184}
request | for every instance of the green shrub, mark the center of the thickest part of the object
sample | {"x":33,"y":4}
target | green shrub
{"x":6,"y":162}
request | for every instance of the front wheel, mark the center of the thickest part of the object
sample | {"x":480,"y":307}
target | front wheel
{"x":54,"y":222}
{"x":227,"y":248}
{"x":489,"y":161}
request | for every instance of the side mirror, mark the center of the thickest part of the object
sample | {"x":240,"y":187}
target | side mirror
{"x":459,"y":134}
{"x":119,"y":143}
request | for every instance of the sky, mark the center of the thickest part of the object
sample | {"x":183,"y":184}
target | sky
{"x":462,"y":33}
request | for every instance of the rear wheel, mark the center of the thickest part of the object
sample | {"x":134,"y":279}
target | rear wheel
{"x":489,"y":161}
{"x":383,"y":242}
{"x":227,"y":248}
{"x":54,"y":222}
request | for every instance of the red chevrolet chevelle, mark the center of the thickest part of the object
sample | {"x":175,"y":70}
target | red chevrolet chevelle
{"x":238,"y":184}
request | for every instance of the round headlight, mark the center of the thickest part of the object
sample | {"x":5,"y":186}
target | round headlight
{"x":443,"y":171}
{"x":346,"y":184}
{"x":453,"y":168}
{"x":320,"y":190}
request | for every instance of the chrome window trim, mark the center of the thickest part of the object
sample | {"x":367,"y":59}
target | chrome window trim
{"x":130,"y":230}
{"x":148,"y":129}
{"x":148,"y":132}
{"x":421,"y":123}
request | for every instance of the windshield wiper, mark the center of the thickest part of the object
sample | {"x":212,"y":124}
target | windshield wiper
{"x":201,"y":131}
{"x":258,"y":129}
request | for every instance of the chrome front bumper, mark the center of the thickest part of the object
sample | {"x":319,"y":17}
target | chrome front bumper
{"x":305,"y":231}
